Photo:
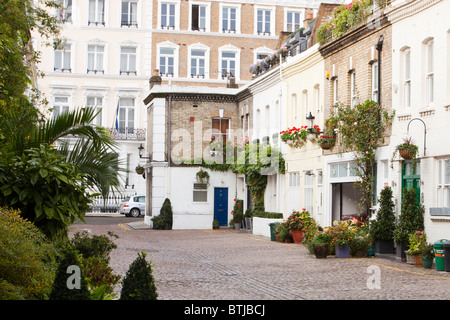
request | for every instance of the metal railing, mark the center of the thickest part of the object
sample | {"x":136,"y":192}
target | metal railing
{"x":108,"y":205}
{"x":127,"y":134}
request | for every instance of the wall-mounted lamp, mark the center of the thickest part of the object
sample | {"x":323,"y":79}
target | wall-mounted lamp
{"x":141,"y":151}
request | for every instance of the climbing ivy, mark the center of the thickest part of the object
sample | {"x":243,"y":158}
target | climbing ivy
{"x":361,"y":129}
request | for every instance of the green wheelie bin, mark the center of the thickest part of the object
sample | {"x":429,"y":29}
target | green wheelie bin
{"x":439,"y":255}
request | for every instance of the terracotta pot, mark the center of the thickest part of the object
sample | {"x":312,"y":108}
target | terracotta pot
{"x":418,"y":261}
{"x":297,"y":235}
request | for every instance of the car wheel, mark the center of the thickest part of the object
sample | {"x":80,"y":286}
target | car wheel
{"x":135,"y":212}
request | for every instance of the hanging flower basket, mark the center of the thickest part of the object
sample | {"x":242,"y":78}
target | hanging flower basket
{"x":326,"y":142}
{"x":327,"y":145}
{"x":405,"y":154}
{"x":140,"y":169}
{"x":202,"y":177}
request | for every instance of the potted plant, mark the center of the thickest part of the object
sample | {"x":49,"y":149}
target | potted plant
{"x":427,"y":255}
{"x":202,"y":177}
{"x":321,"y":244}
{"x":382,"y":228}
{"x":341,"y":236}
{"x":248,"y":218}
{"x":295,"y":225}
{"x":326,"y":142}
{"x":238,"y":213}
{"x":139,"y":169}
{"x":359,"y":245}
{"x":409,"y":221}
{"x":407,"y":150}
{"x":417,"y":241}
{"x":215,"y":224}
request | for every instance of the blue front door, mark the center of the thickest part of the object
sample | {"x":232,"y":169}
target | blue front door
{"x":221,"y":205}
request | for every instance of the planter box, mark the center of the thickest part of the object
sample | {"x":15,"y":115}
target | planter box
{"x":384,"y":246}
{"x":400,"y":251}
{"x":342,"y":252}
{"x":261,"y":226}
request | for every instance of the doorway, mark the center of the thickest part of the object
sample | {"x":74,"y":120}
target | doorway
{"x":221,"y":205}
{"x":344,"y":199}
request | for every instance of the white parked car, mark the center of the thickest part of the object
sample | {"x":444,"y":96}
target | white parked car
{"x":133,"y":206}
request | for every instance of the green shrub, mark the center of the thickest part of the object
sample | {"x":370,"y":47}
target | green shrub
{"x":99,"y":246}
{"x":271,"y":215}
{"x":383,"y":227}
{"x":165,"y":218}
{"x":60,"y":288}
{"x":98,"y":273}
{"x":138,"y":283}
{"x":411,"y":217}
{"x":238,"y":211}
{"x":28,"y":259}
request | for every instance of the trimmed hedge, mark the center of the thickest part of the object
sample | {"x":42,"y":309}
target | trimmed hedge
{"x":271,"y":215}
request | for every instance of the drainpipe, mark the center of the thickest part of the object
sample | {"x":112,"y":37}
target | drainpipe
{"x":379,"y":47}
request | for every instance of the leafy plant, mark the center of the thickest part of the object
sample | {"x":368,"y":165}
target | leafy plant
{"x":361,"y":131}
{"x":138,"y":283}
{"x":359,"y":243}
{"x":60,"y":288}
{"x":97,"y":246}
{"x":411,"y":217}
{"x":417,"y":240}
{"x":427,"y":251}
{"x":28,"y":258}
{"x":165,"y":218}
{"x":202,"y":177}
{"x":99,"y":274}
{"x":215,"y":224}
{"x":384,"y":225}
{"x":238,"y":211}
{"x":326,"y":139}
{"x":409,"y":145}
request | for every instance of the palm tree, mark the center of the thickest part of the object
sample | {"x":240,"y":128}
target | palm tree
{"x":93,"y":151}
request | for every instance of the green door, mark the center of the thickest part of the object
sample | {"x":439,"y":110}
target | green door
{"x":411,"y":177}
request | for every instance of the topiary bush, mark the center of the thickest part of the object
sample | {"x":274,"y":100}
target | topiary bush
{"x":165,"y":218}
{"x":411,"y":217}
{"x":383,"y":227}
{"x":138,"y":283}
{"x":60,"y":288}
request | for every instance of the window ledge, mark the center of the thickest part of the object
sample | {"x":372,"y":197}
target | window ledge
{"x":440,"y":214}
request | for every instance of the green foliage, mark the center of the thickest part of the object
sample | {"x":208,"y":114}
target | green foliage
{"x":270,"y":215}
{"x":383,"y":227}
{"x":138,"y":283}
{"x":99,"y":274}
{"x":60,"y":288}
{"x":97,"y":246}
{"x":411,"y":217}
{"x":47,"y":190}
{"x":165,"y":218}
{"x":427,"y":251}
{"x":238,"y":211}
{"x":27,"y":258}
{"x":361,"y":130}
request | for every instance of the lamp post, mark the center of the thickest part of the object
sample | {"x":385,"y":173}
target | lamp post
{"x":141,"y":151}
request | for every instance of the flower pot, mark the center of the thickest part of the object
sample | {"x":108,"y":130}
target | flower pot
{"x":342,"y":251}
{"x":321,"y":250}
{"x":409,"y":258}
{"x":405,"y":154}
{"x":417,"y":261}
{"x":297,"y":236}
{"x":237,"y":225}
{"x":400,"y":251}
{"x":427,"y":262}
{"x":326,"y":145}
{"x":288,"y":240}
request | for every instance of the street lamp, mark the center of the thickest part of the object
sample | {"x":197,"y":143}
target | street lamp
{"x":141,"y":150}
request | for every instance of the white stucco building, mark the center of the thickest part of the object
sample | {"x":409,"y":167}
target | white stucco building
{"x":421,"y":98}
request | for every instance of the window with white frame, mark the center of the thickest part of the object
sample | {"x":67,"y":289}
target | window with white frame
{"x":62,"y":57}
{"x":129,"y":13}
{"x":198,"y":63}
{"x":308,"y":189}
{"x":96,"y":103}
{"x":167,"y":16}
{"x":167,"y":61}
{"x":128,"y":60}
{"x":293,"y":20}
{"x":343,"y":169}
{"x":96,"y":12}
{"x":60,"y":105}
{"x":126,"y":114}
{"x":294,"y":179}
{"x":264,"y":21}
{"x":429,"y":72}
{"x":375,"y":81}
{"x":200,"y":192}
{"x":199,"y":16}
{"x":229,"y":19}
{"x":335,"y":91}
{"x":64,"y":13}
{"x":95,"y":58}
{"x":443,"y":185}
{"x":228,"y":64}
{"x":406,"y":57}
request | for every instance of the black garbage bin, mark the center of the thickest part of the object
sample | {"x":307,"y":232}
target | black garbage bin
{"x":447,"y":255}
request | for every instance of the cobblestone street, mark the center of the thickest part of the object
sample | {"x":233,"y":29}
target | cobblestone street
{"x":229,"y":265}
